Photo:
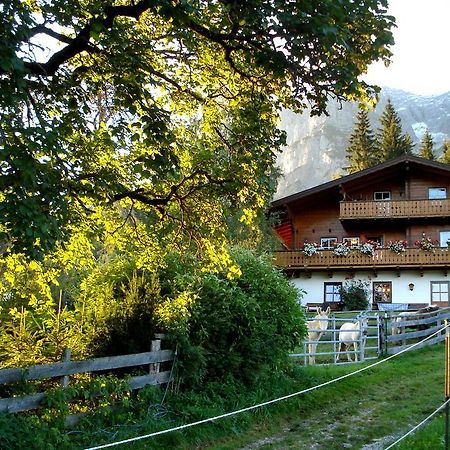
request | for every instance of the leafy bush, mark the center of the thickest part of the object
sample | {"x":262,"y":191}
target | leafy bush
{"x":119,"y":308}
{"x":355,"y":295}
{"x":241,"y":327}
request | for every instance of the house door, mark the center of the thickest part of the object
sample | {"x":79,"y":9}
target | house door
{"x":444,"y":236}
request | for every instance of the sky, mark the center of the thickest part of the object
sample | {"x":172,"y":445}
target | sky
{"x":421,"y":61}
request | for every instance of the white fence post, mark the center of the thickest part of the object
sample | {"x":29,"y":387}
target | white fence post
{"x":361,"y":340}
{"x":334,"y":341}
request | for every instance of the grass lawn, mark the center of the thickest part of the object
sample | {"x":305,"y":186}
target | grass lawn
{"x":367,"y":411}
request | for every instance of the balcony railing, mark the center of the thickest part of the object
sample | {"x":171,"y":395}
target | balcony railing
{"x":382,"y":258}
{"x":395,"y":209}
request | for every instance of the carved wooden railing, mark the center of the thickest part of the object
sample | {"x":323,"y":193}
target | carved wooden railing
{"x":382,"y":258}
{"x":395,"y":209}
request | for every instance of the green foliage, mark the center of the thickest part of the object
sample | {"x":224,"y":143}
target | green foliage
{"x":161,"y":116}
{"x":361,"y":152}
{"x":445,"y":156}
{"x":240,"y":327}
{"x":367,"y":150}
{"x":355,"y":295}
{"x":37,"y":319}
{"x":391,"y":141}
{"x":119,"y":304}
{"x":426,"y":149}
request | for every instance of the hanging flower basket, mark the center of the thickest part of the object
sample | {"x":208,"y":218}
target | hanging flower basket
{"x":426,"y":243}
{"x":341,"y":249}
{"x":310,"y":249}
{"x":397,"y":246}
{"x":368,"y":248}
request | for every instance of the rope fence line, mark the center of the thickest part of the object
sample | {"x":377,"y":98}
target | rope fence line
{"x":269,"y":402}
{"x":411,"y":431}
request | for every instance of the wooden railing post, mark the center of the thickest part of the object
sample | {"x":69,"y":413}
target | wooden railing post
{"x":155,"y":347}
{"x":66,"y":355}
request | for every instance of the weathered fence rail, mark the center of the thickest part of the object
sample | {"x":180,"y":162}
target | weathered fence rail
{"x":64,"y":369}
{"x":413,"y":327}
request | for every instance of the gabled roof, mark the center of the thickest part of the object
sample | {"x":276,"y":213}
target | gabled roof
{"x":405,"y":162}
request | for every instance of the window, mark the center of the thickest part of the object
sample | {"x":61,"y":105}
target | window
{"x":444,"y":237}
{"x":378,"y":239}
{"x":382,"y":196}
{"x":437,"y":193}
{"x":439,"y":291}
{"x":382,"y":292}
{"x":352,"y":242}
{"x":332,"y":292}
{"x":328,"y":242}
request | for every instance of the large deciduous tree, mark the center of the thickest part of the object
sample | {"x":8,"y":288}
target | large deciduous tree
{"x":165,"y":109}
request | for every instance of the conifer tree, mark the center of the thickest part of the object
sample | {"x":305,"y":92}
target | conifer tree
{"x":445,"y":157}
{"x":426,"y":148}
{"x":391,"y":141}
{"x":361,"y":152}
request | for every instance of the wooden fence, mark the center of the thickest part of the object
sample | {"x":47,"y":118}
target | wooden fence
{"x":413,"y":328}
{"x":151,"y":360}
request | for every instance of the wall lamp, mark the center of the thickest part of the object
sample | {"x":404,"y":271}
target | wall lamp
{"x":411,"y":286}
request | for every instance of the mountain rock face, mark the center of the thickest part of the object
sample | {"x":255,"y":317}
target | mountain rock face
{"x":316,"y":146}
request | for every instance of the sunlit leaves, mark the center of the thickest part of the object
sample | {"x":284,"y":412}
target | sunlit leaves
{"x":172,"y":106}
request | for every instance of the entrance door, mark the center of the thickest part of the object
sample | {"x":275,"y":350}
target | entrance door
{"x":444,"y":236}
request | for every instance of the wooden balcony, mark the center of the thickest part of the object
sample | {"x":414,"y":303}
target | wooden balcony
{"x":382,"y":259}
{"x":394,"y":209}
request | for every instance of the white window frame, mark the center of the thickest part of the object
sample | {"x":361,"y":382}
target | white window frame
{"x":442,"y":294}
{"x":334,"y":295}
{"x":440,"y":193}
{"x":328,"y":241}
{"x":384,"y":196}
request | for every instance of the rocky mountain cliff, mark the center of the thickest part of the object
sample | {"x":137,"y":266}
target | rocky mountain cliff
{"x":316,"y":146}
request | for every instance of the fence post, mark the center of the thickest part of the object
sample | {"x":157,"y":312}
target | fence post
{"x":361,"y":340}
{"x":334,"y":341}
{"x":66,"y":355}
{"x":155,"y":347}
{"x":447,"y":382}
{"x":305,"y":353}
{"x":385,"y":333}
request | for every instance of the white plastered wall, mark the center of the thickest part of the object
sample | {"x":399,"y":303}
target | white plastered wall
{"x":401,"y":292}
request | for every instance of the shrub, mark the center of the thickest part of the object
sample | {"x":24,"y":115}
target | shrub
{"x":118,"y":303}
{"x":355,"y":295}
{"x":242,"y":327}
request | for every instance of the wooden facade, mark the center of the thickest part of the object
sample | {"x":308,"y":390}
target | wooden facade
{"x":405,"y":199}
{"x":381,"y":259}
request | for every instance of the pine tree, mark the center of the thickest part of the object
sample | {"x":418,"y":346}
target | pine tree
{"x":426,"y":147}
{"x":445,"y":157}
{"x":361,"y":152}
{"x":409,"y":144}
{"x":391,"y":141}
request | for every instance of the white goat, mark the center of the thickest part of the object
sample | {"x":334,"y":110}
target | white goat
{"x":350,"y":334}
{"x":316,"y":328}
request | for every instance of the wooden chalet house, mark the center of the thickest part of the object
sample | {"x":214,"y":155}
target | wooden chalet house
{"x":388,"y":225}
